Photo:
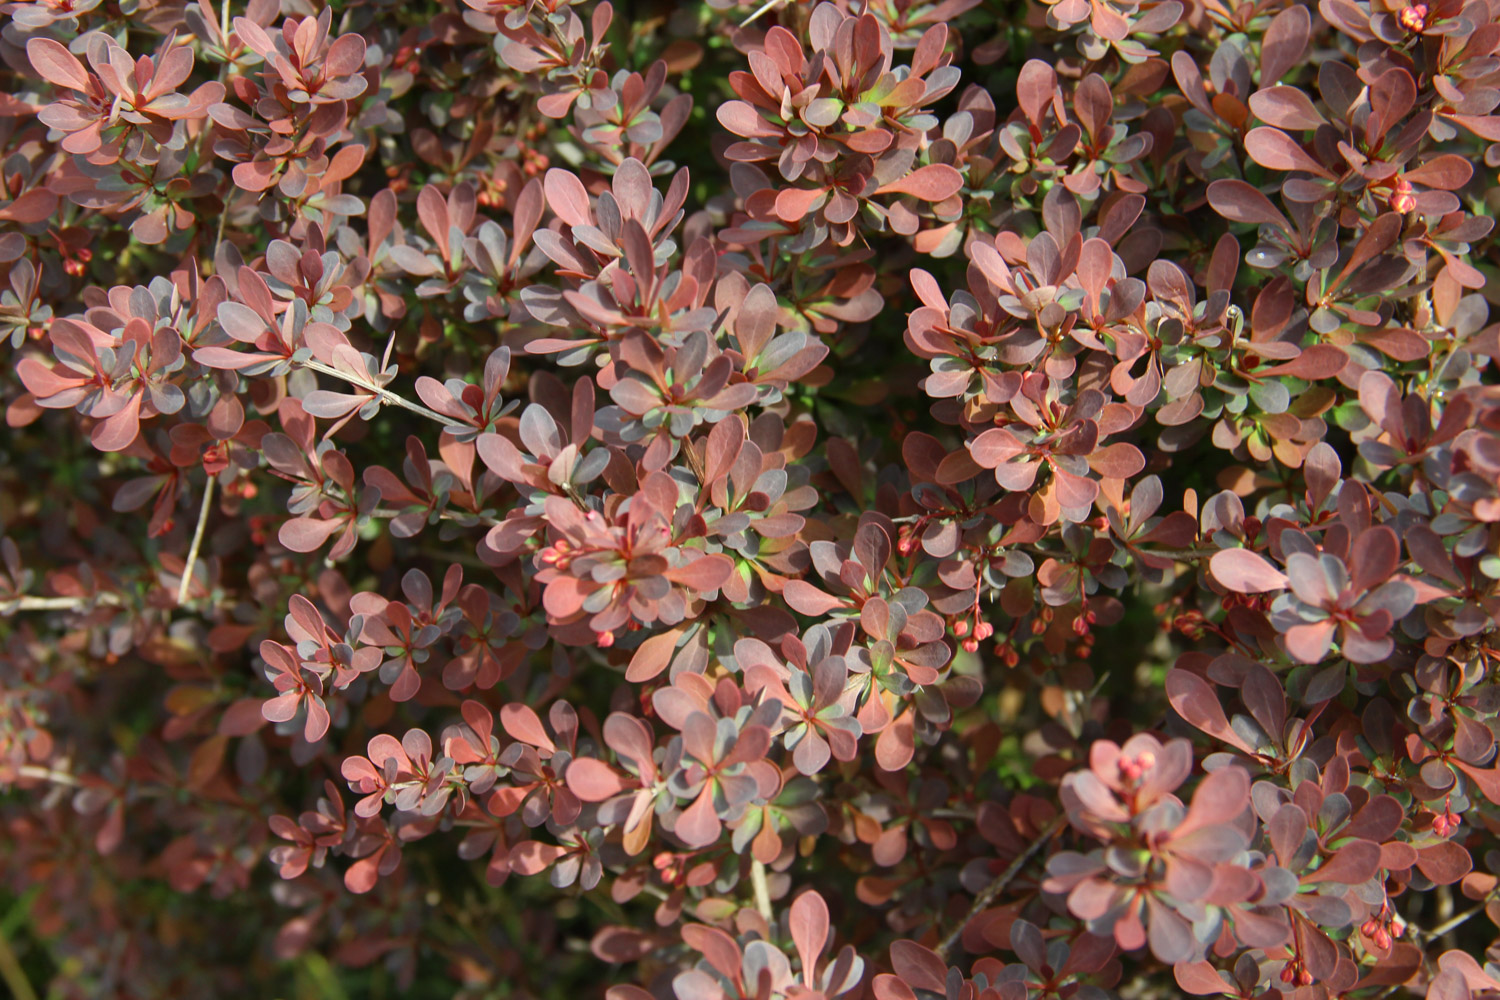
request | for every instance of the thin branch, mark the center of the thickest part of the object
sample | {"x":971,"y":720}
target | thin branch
{"x":223,"y":214}
{"x":1004,"y":879}
{"x":762,"y":890}
{"x":962,"y":813}
{"x":461,"y":558}
{"x":1182,"y":555}
{"x":763,"y":8}
{"x":12,"y":974}
{"x":29,"y":603}
{"x":390,"y":513}
{"x":395,"y":399}
{"x":38,"y":773}
{"x":192,"y":556}
{"x":1452,"y":923}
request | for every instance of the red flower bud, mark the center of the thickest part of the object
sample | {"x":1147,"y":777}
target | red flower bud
{"x":1403,"y":197}
{"x":1414,"y":18}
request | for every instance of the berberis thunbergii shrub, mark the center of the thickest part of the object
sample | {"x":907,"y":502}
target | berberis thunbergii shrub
{"x":874,"y":499}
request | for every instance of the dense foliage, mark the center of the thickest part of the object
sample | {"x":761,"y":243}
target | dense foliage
{"x":973,"y":499}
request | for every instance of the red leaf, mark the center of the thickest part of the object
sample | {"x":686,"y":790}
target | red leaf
{"x":1220,"y":798}
{"x":1200,"y":979}
{"x":1319,"y":361}
{"x":55,"y":64}
{"x":1488,"y":779}
{"x":1397,"y":855}
{"x":1275,"y":150}
{"x":896,"y":744}
{"x":1464,"y":964}
{"x":699,"y":825}
{"x":726,"y":440}
{"x":345,"y":55}
{"x":652,"y":656}
{"x":1074,"y":491}
{"x":567,"y":197}
{"x":1355,"y":862}
{"x":1240,"y":202}
{"x":703,"y":574}
{"x":524,"y":725}
{"x":116,"y":432}
{"x":1448,"y":172}
{"x":1118,"y":461}
{"x":1195,"y":700}
{"x":919,"y":966}
{"x":594,"y":781}
{"x":794,"y":204}
{"x":694,"y":984}
{"x":1444,"y":862}
{"x":305,"y":534}
{"x":241,"y":718}
{"x":995,"y":446}
{"x":318,"y":720}
{"x":363,"y":874}
{"x":282,"y":708}
{"x":1246,"y":572}
{"x":1286,"y":107}
{"x":805,"y":599}
{"x":1391,"y":96}
{"x":1284,"y":42}
{"x":721,"y":950}
{"x":808,"y":923}
{"x":532,"y":857}
{"x":934,"y":182}
{"x":1310,"y":642}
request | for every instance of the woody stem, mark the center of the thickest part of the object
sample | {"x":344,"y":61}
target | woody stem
{"x":390,"y":397}
{"x":11,"y":972}
{"x":192,"y":556}
{"x":995,"y":888}
{"x":762,"y":889}
{"x":60,"y":603}
{"x":38,"y":773}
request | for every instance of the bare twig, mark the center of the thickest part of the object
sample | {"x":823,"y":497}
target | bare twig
{"x":1452,"y":923}
{"x":29,"y":603}
{"x":395,"y":399}
{"x":762,"y":890}
{"x":962,"y":813}
{"x":390,"y":513}
{"x":12,"y":974}
{"x":762,"y":9}
{"x":38,"y":773}
{"x":1182,"y":555}
{"x":192,"y":556}
{"x":1004,"y":879}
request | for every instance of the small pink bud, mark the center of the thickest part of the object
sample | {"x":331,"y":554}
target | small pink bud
{"x":1403,"y":197}
{"x":1414,"y":18}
